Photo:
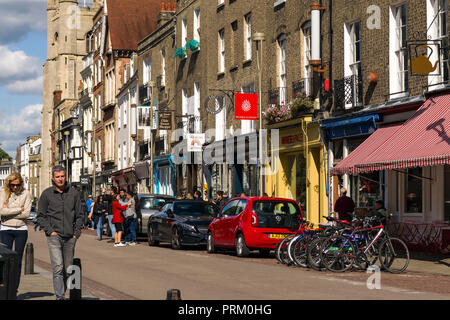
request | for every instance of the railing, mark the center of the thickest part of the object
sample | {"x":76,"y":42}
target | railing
{"x":302,"y":87}
{"x":348,"y":92}
{"x":276,"y":95}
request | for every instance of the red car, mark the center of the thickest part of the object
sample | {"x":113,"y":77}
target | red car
{"x":253,"y":223}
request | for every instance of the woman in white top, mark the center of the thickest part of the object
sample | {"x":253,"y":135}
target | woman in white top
{"x":15,"y":207}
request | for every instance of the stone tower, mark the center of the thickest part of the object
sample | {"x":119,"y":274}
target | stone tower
{"x":67,"y":24}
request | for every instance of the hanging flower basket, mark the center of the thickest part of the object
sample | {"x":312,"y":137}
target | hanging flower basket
{"x":301,"y":105}
{"x":277,"y":113}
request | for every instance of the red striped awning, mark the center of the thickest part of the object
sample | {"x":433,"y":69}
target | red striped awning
{"x":423,"y":140}
{"x":372,"y":143}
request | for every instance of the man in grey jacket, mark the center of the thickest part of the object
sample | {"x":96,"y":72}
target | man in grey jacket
{"x":130,"y":219}
{"x":61,"y":218}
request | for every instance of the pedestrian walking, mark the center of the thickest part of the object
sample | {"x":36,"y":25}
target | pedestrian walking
{"x":15,"y":207}
{"x":131,"y":221}
{"x":90,"y":205}
{"x":220,"y":201}
{"x":118,"y":221}
{"x":344,"y":206}
{"x":108,"y":200}
{"x":61,"y":218}
{"x":98,"y":214}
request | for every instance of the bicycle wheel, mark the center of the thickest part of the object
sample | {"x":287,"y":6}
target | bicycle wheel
{"x":337,"y":254}
{"x":290,"y":247}
{"x":313,"y":253}
{"x":299,"y":252}
{"x":394,"y":255}
{"x":281,"y":252}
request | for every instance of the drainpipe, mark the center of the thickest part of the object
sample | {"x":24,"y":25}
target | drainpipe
{"x":330,"y":62}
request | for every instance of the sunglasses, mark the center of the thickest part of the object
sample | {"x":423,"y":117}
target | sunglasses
{"x":13,"y":185}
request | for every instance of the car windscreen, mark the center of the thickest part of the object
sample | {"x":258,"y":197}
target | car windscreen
{"x":194,"y":209}
{"x":276,"y":214}
{"x":153,"y":202}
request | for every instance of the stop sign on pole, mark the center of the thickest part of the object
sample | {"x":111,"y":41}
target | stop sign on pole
{"x":245,"y":106}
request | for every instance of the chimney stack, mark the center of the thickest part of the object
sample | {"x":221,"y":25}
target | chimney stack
{"x":166,"y":12}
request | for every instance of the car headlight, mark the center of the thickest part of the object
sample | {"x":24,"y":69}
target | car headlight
{"x":188,"y":227}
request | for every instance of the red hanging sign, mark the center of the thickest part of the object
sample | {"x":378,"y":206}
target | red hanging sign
{"x":246,"y":106}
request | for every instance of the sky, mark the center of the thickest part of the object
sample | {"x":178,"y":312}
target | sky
{"x":23,"y":52}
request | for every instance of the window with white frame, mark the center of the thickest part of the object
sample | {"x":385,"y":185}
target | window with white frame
{"x":307,"y":56}
{"x":197,"y":123}
{"x":437,"y":18}
{"x":398,"y":62}
{"x":248,"y":36}
{"x":248,"y":126}
{"x":147,"y":69}
{"x":184,"y":109}
{"x":221,"y":51}
{"x":220,"y":118}
{"x":352,"y":59}
{"x":282,"y":81}
{"x":183,"y":32}
{"x":197,"y":24}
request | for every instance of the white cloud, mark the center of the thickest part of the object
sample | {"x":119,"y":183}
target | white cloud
{"x":20,"y":72}
{"x":20,"y":17}
{"x":14,"y":128}
{"x":28,"y":87}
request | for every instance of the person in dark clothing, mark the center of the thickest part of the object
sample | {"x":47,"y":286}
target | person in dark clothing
{"x":61,"y":218}
{"x":344,"y":206}
{"x":108,"y":200}
{"x":99,"y":212}
{"x":197,"y":195}
{"x":220,"y":200}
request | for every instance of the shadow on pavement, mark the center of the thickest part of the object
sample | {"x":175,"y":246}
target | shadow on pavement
{"x":34,"y":295}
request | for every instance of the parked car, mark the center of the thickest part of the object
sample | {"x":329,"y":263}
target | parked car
{"x":249,"y":223}
{"x":151,"y":204}
{"x":182,"y":222}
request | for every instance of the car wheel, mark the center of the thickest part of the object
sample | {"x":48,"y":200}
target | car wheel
{"x":241,"y":248}
{"x":210,"y":243}
{"x":176,"y":241}
{"x":151,"y":240}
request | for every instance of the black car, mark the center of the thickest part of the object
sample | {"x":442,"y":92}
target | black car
{"x":182,"y":222}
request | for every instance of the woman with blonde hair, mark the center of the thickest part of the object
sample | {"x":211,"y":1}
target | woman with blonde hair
{"x":15,"y":207}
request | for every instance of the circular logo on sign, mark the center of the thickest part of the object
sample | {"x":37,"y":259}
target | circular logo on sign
{"x":246,"y":105}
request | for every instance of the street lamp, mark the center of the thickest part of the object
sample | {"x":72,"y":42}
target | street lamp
{"x":67,"y":134}
{"x":259,"y":38}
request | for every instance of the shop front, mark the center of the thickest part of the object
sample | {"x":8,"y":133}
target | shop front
{"x":412,"y":161}
{"x":165,"y":176}
{"x":299,"y":168}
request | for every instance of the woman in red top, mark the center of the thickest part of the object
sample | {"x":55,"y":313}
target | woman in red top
{"x":118,"y":220}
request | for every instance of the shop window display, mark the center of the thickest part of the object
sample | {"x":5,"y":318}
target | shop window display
{"x":414,"y":185}
{"x":365,"y":189}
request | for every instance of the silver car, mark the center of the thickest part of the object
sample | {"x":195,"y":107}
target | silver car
{"x":149,"y":205}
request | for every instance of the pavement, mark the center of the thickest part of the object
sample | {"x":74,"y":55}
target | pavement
{"x":39,"y":286}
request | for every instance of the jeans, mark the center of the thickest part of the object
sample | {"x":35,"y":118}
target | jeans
{"x":61,"y":257}
{"x":99,"y":220}
{"x":19,"y":238}
{"x":131,"y":227}
{"x":111,"y":225}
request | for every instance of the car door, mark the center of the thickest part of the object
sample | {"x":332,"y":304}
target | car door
{"x":220,"y":224}
{"x":163,"y":223}
{"x":233,"y":221}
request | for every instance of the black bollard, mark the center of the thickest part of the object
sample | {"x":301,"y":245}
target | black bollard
{"x":29,"y":259}
{"x":74,"y":280}
{"x":173,"y":294}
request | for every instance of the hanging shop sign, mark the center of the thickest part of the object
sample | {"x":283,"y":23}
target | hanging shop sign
{"x":245,"y":106}
{"x":425,"y":57}
{"x":165,"y":120}
{"x":195,"y":142}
